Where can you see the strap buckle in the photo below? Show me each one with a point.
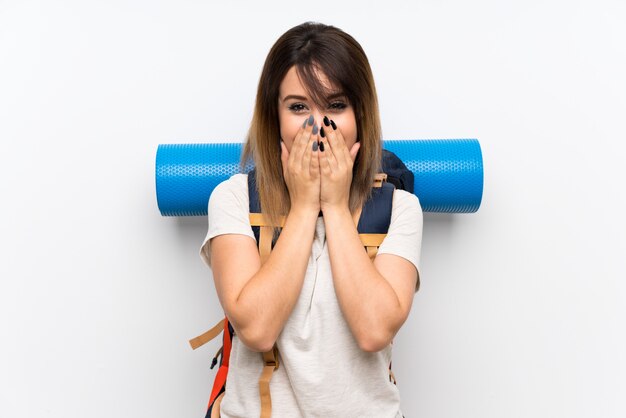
(270, 358)
(379, 179)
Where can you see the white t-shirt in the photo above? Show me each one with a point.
(322, 372)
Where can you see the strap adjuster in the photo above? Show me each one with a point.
(270, 358)
(379, 179)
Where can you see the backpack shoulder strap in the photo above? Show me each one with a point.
(376, 215)
(263, 231)
(261, 228)
(253, 193)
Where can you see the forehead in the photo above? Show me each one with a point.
(291, 84)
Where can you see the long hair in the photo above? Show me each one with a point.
(346, 66)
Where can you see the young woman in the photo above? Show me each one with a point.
(315, 139)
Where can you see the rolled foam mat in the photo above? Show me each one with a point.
(448, 173)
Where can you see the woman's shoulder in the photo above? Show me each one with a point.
(237, 183)
(403, 199)
(233, 190)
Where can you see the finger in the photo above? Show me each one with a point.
(328, 150)
(314, 164)
(302, 142)
(354, 151)
(300, 134)
(284, 153)
(338, 143)
(324, 161)
(308, 148)
(306, 157)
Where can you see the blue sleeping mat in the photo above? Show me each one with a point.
(448, 173)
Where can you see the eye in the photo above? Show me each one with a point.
(338, 106)
(297, 107)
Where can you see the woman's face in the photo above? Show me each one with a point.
(294, 106)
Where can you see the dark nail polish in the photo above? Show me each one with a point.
(315, 146)
(305, 121)
(321, 146)
(311, 119)
(322, 134)
(333, 123)
(326, 121)
(315, 129)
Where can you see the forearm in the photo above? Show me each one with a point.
(368, 302)
(268, 298)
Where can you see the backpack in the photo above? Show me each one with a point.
(373, 224)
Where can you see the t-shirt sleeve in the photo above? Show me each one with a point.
(228, 212)
(404, 237)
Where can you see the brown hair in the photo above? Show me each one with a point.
(346, 66)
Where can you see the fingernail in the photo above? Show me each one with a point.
(322, 134)
(305, 121)
(326, 121)
(315, 146)
(334, 126)
(311, 119)
(321, 146)
(315, 129)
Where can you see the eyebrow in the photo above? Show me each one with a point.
(332, 96)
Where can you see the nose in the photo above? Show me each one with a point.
(319, 117)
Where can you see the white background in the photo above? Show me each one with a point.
(522, 306)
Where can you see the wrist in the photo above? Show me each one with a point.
(335, 209)
(337, 216)
(304, 211)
